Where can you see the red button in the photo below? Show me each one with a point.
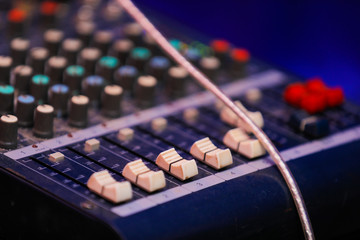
(16, 15)
(294, 93)
(313, 102)
(240, 55)
(220, 46)
(48, 8)
(315, 85)
(334, 96)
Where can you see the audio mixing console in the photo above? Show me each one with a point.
(103, 136)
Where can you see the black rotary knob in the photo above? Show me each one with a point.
(145, 90)
(210, 67)
(19, 48)
(88, 58)
(54, 69)
(73, 76)
(138, 57)
(24, 110)
(37, 58)
(21, 77)
(44, 121)
(103, 40)
(121, 49)
(70, 49)
(106, 67)
(126, 76)
(52, 40)
(92, 87)
(133, 31)
(157, 67)
(176, 81)
(5, 67)
(8, 131)
(58, 98)
(85, 31)
(111, 101)
(6, 99)
(78, 111)
(39, 88)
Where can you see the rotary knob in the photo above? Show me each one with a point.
(8, 131)
(78, 111)
(24, 110)
(6, 99)
(111, 100)
(145, 90)
(58, 98)
(44, 121)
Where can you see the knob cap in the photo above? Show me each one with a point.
(44, 121)
(111, 100)
(8, 131)
(58, 98)
(78, 111)
(24, 110)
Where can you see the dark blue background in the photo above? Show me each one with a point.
(309, 38)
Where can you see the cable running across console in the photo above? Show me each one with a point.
(207, 84)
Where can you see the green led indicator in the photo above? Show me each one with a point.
(140, 52)
(109, 62)
(41, 79)
(6, 89)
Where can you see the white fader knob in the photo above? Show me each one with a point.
(106, 186)
(230, 118)
(140, 175)
(239, 141)
(176, 165)
(206, 151)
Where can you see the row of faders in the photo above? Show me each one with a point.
(170, 161)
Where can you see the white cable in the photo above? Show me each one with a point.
(207, 84)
